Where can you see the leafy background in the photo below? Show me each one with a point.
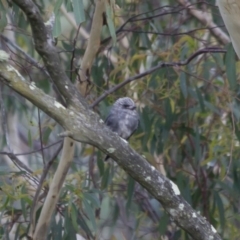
(189, 120)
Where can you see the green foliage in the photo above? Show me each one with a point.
(189, 124)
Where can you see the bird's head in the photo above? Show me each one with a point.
(125, 103)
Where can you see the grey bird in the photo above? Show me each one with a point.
(123, 118)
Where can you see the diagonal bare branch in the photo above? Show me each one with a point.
(206, 19)
(86, 127)
(46, 49)
(155, 68)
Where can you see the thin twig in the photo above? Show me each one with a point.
(30, 59)
(31, 152)
(135, 18)
(206, 19)
(19, 163)
(33, 62)
(153, 69)
(171, 34)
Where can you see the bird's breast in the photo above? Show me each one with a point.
(127, 124)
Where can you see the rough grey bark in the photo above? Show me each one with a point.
(83, 125)
(86, 126)
(46, 49)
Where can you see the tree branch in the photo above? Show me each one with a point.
(153, 69)
(33, 62)
(8, 74)
(46, 49)
(85, 126)
(230, 11)
(54, 190)
(28, 58)
(206, 19)
(92, 47)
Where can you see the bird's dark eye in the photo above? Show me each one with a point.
(125, 105)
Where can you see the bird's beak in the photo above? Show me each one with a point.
(133, 108)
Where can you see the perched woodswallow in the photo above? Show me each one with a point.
(123, 118)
